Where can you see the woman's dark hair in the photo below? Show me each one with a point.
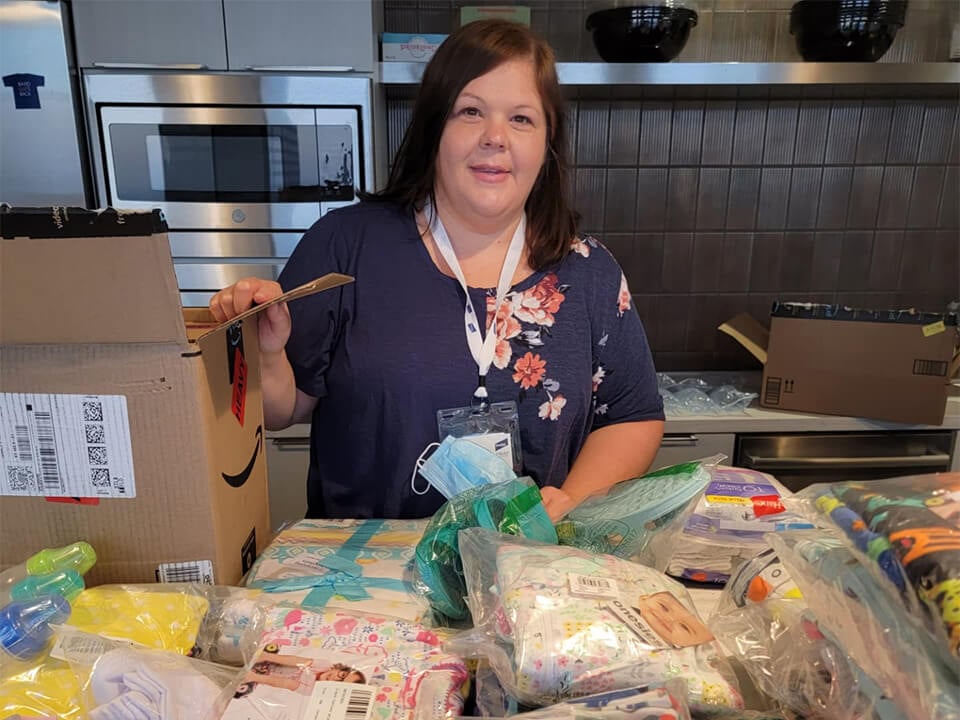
(474, 50)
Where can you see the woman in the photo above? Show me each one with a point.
(482, 169)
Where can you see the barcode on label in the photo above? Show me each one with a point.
(49, 466)
(359, 703)
(199, 571)
(592, 586)
(24, 451)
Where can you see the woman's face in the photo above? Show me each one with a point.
(336, 674)
(493, 145)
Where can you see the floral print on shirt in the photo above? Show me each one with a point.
(523, 325)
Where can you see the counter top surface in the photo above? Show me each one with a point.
(757, 419)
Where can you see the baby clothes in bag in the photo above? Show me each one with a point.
(570, 623)
(131, 684)
(339, 665)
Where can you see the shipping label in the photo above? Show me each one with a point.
(65, 446)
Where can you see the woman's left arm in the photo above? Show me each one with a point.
(610, 455)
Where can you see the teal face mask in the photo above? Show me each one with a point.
(459, 464)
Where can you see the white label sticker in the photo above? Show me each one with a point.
(496, 442)
(75, 646)
(66, 446)
(340, 701)
(592, 586)
(199, 571)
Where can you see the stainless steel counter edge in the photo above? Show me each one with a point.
(756, 419)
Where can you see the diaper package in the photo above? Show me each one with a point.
(331, 664)
(360, 566)
(557, 623)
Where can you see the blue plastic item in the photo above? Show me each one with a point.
(25, 625)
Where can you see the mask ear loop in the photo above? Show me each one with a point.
(416, 468)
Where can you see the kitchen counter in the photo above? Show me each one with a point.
(757, 419)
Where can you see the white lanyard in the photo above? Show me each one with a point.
(482, 350)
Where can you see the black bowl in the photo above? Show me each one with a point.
(846, 30)
(642, 33)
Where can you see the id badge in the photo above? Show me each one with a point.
(495, 427)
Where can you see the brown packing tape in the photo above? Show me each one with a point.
(325, 282)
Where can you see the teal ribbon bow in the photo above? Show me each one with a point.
(345, 577)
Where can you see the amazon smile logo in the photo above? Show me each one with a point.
(240, 478)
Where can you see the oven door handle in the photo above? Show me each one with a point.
(300, 68)
(149, 66)
(894, 461)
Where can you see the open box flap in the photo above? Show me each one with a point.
(326, 282)
(745, 329)
(88, 290)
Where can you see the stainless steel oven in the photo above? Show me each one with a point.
(802, 459)
(240, 164)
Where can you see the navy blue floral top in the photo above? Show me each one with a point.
(384, 353)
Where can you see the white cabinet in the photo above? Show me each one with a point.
(185, 34)
(288, 462)
(308, 34)
(685, 447)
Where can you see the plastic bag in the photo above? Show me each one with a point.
(622, 521)
(313, 665)
(658, 702)
(906, 531)
(790, 659)
(762, 577)
(513, 507)
(888, 643)
(723, 528)
(133, 683)
(697, 396)
(557, 623)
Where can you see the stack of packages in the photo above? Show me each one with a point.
(839, 602)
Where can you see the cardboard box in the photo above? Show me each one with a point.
(409, 46)
(125, 421)
(883, 365)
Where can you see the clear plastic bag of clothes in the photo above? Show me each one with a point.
(182, 618)
(557, 623)
(906, 532)
(622, 521)
(887, 642)
(788, 657)
(128, 682)
(513, 507)
(666, 701)
(723, 527)
(331, 664)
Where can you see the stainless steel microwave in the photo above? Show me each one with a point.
(225, 152)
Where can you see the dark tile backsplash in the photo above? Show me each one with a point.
(721, 200)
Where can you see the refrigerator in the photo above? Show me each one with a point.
(42, 144)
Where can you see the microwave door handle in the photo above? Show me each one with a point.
(149, 66)
(300, 68)
(795, 463)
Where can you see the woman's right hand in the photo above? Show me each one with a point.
(274, 322)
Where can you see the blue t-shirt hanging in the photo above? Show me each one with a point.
(25, 95)
(384, 353)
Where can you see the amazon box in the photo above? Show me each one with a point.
(890, 365)
(125, 420)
